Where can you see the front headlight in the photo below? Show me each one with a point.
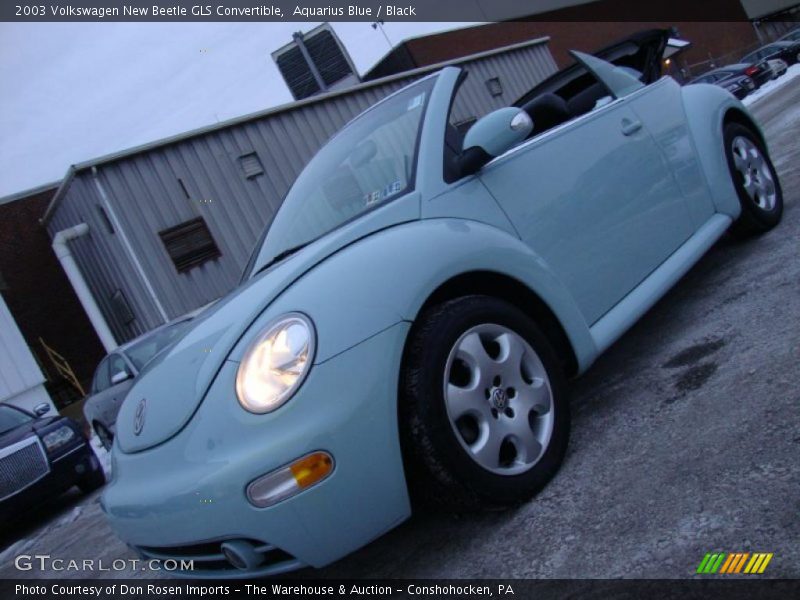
(58, 438)
(275, 364)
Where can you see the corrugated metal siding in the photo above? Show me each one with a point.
(146, 196)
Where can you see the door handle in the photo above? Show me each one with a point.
(630, 127)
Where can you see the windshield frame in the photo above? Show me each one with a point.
(429, 81)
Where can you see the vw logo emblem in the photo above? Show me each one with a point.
(138, 417)
(499, 398)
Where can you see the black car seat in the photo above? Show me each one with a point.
(547, 111)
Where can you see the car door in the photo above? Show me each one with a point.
(595, 196)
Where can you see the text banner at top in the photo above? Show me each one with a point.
(372, 10)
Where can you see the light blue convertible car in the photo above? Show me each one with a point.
(407, 323)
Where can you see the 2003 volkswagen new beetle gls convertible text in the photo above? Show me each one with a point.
(407, 322)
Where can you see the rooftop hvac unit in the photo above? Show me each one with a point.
(315, 62)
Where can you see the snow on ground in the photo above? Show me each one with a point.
(765, 90)
(103, 455)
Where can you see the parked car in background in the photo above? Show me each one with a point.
(778, 67)
(41, 457)
(788, 51)
(737, 84)
(792, 36)
(409, 318)
(116, 374)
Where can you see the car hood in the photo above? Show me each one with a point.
(19, 433)
(169, 390)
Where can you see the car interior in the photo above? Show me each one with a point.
(571, 92)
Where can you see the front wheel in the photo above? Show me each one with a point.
(755, 180)
(484, 418)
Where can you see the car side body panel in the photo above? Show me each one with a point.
(706, 106)
(596, 199)
(666, 121)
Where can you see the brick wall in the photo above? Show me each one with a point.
(38, 292)
(712, 38)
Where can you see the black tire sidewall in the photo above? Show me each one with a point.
(444, 454)
(753, 215)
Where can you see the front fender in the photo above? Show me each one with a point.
(386, 277)
(706, 106)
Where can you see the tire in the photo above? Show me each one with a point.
(755, 180)
(93, 480)
(104, 435)
(449, 434)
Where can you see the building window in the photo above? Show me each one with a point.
(189, 244)
(122, 310)
(494, 86)
(251, 165)
(104, 219)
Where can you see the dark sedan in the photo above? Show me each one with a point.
(41, 457)
(788, 51)
(792, 36)
(733, 80)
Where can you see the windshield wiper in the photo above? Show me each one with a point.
(280, 256)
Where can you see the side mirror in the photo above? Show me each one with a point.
(491, 136)
(119, 377)
(41, 409)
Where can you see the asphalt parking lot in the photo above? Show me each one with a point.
(686, 440)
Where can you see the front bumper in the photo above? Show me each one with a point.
(182, 497)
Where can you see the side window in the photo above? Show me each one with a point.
(102, 380)
(117, 364)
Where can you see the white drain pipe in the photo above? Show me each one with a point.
(75, 277)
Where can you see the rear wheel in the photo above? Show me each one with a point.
(755, 180)
(484, 418)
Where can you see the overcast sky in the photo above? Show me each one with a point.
(70, 92)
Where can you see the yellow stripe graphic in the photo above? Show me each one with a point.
(728, 563)
(765, 563)
(753, 564)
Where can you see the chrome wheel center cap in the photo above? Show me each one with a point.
(499, 398)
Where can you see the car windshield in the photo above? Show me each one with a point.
(11, 418)
(370, 162)
(143, 351)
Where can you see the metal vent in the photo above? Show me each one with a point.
(313, 62)
(297, 74)
(21, 465)
(494, 86)
(122, 310)
(189, 244)
(328, 57)
(251, 165)
(104, 219)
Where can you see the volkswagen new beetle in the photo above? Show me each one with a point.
(408, 320)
